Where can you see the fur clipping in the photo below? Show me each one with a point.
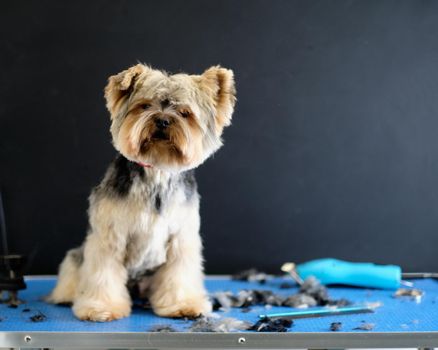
(219, 325)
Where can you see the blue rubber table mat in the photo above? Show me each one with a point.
(395, 315)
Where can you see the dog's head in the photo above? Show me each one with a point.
(171, 122)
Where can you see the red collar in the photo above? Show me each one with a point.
(145, 165)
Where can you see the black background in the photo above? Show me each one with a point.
(333, 148)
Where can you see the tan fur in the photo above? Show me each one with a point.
(219, 84)
(119, 85)
(129, 232)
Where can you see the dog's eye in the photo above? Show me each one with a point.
(184, 114)
(145, 105)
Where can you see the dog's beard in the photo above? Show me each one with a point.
(176, 147)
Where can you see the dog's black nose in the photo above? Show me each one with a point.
(161, 123)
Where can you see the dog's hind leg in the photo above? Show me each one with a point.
(68, 278)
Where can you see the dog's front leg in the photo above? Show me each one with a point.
(102, 293)
(177, 288)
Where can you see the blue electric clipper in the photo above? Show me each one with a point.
(334, 271)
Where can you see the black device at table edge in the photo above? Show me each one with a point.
(11, 267)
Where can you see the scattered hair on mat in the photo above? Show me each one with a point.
(267, 324)
(312, 293)
(221, 325)
(335, 326)
(339, 302)
(312, 287)
(414, 294)
(162, 328)
(222, 301)
(38, 317)
(405, 292)
(300, 300)
(364, 326)
(189, 318)
(250, 275)
(246, 298)
(25, 310)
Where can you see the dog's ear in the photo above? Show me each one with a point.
(219, 83)
(120, 87)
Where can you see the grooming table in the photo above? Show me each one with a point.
(401, 323)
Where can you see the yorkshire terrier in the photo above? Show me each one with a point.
(144, 216)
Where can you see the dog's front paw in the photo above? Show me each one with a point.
(193, 307)
(99, 312)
